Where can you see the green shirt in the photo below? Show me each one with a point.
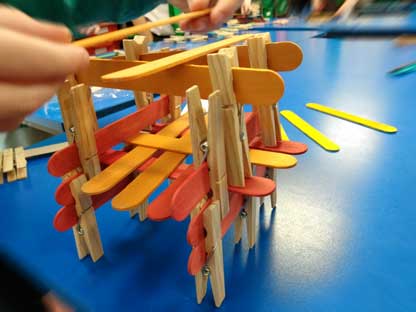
(75, 13)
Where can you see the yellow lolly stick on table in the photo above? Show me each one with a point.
(283, 134)
(310, 131)
(171, 61)
(356, 119)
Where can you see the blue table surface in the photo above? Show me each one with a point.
(340, 239)
(360, 24)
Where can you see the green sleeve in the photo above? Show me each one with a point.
(74, 13)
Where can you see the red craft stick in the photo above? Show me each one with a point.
(196, 233)
(255, 186)
(190, 193)
(67, 216)
(63, 195)
(67, 159)
(161, 208)
(285, 147)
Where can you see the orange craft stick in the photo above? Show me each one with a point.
(123, 33)
(172, 60)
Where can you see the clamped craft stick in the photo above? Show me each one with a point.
(281, 56)
(253, 86)
(171, 61)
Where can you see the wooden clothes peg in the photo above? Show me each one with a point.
(208, 144)
(8, 165)
(198, 130)
(84, 120)
(20, 162)
(217, 154)
(133, 48)
(64, 99)
(213, 246)
(232, 54)
(250, 213)
(268, 115)
(258, 59)
(222, 79)
(86, 233)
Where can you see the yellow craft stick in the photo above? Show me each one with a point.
(349, 117)
(118, 170)
(182, 145)
(310, 131)
(123, 33)
(171, 61)
(283, 134)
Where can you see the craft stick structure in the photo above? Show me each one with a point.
(230, 154)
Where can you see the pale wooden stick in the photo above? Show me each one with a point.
(123, 33)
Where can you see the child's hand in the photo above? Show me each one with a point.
(35, 58)
(221, 12)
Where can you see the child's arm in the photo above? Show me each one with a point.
(81, 13)
(34, 60)
(222, 11)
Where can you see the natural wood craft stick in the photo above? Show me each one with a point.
(48, 149)
(123, 33)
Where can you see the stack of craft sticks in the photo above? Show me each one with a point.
(13, 164)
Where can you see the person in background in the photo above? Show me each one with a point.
(35, 58)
